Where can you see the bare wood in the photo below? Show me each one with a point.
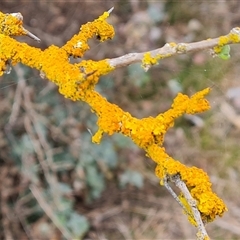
(202, 233)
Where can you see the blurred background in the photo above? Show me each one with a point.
(56, 184)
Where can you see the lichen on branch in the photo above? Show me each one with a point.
(53, 62)
(77, 82)
(12, 25)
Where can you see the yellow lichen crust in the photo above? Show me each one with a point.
(224, 40)
(187, 210)
(77, 82)
(149, 61)
(10, 49)
(232, 37)
(77, 46)
(73, 79)
(11, 25)
(197, 181)
(146, 131)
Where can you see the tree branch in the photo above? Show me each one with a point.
(172, 49)
(202, 233)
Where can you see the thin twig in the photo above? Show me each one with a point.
(29, 34)
(202, 233)
(169, 50)
(17, 103)
(167, 186)
(49, 211)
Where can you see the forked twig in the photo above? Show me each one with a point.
(202, 233)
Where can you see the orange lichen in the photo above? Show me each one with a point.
(77, 82)
(181, 48)
(187, 210)
(77, 46)
(148, 133)
(196, 180)
(232, 37)
(11, 25)
(149, 60)
(173, 44)
(54, 61)
(223, 40)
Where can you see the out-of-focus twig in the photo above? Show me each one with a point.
(49, 211)
(18, 96)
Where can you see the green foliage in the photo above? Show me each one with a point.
(95, 181)
(96, 162)
(195, 77)
(131, 177)
(225, 52)
(137, 75)
(78, 225)
(75, 223)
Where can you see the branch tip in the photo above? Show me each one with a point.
(235, 30)
(110, 10)
(31, 35)
(18, 15)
